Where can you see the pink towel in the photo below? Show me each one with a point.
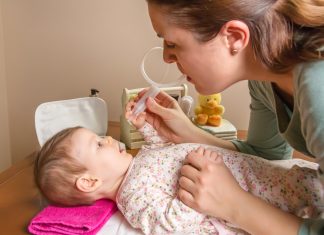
(85, 220)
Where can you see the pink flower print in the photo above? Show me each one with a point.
(301, 177)
(264, 188)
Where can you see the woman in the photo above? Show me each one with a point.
(277, 46)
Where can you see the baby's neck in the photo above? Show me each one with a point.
(112, 193)
(108, 189)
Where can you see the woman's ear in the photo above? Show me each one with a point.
(236, 34)
(87, 183)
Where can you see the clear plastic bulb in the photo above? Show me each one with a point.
(140, 105)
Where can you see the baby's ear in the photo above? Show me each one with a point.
(87, 183)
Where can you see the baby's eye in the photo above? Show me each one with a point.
(99, 144)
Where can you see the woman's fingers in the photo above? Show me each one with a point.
(195, 159)
(200, 151)
(166, 116)
(141, 93)
(207, 185)
(207, 153)
(186, 184)
(216, 157)
(187, 187)
(159, 108)
(189, 172)
(164, 97)
(186, 197)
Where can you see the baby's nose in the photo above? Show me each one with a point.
(109, 139)
(106, 140)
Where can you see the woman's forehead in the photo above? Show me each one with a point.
(164, 28)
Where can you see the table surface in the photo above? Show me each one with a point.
(20, 199)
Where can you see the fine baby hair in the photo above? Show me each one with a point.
(56, 170)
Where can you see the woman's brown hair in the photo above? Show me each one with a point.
(283, 32)
(55, 171)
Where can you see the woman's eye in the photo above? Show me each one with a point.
(169, 45)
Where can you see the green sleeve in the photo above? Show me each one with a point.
(312, 227)
(309, 92)
(263, 138)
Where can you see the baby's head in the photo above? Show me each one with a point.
(76, 167)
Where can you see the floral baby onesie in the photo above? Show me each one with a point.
(148, 195)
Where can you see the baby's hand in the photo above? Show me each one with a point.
(202, 152)
(137, 121)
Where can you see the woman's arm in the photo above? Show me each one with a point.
(166, 116)
(264, 138)
(258, 217)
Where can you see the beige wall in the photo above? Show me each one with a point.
(5, 158)
(59, 49)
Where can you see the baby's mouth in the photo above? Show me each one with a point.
(122, 147)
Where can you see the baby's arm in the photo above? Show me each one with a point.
(151, 136)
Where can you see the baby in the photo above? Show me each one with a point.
(78, 167)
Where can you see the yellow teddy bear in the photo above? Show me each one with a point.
(209, 110)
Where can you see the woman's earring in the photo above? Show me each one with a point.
(234, 51)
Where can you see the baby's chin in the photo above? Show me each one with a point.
(128, 154)
(125, 155)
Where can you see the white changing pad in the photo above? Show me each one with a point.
(88, 112)
(118, 225)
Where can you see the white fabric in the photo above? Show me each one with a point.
(118, 225)
(88, 112)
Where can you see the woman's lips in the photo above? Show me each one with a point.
(189, 79)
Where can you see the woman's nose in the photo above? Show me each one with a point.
(168, 55)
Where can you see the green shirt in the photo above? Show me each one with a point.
(275, 129)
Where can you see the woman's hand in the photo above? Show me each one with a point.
(207, 185)
(137, 121)
(166, 116)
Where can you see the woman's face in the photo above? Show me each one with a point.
(208, 65)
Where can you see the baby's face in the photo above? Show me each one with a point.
(102, 156)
